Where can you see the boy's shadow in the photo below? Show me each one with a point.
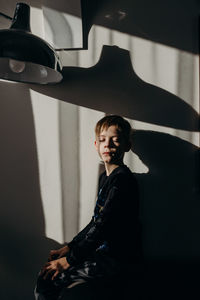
(112, 86)
(169, 197)
(24, 247)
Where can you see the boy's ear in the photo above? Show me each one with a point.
(95, 144)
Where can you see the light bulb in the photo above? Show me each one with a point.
(16, 66)
(43, 72)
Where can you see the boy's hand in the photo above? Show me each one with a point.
(54, 267)
(55, 254)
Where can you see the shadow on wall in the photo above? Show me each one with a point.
(172, 23)
(169, 197)
(169, 192)
(111, 82)
(169, 208)
(24, 247)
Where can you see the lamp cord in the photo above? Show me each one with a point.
(5, 16)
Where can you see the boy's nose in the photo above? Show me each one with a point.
(108, 143)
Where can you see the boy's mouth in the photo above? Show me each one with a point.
(108, 153)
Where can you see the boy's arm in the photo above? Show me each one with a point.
(104, 225)
(58, 253)
(55, 263)
(81, 235)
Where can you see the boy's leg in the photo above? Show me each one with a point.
(51, 289)
(88, 282)
(79, 291)
(46, 290)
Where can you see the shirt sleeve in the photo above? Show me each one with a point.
(102, 227)
(81, 235)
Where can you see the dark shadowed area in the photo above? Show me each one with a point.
(111, 82)
(172, 23)
(169, 208)
(24, 247)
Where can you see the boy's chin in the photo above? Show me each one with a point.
(111, 161)
(107, 160)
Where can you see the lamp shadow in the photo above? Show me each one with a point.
(112, 86)
(169, 212)
(24, 247)
(157, 21)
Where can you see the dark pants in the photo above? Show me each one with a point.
(53, 289)
(98, 279)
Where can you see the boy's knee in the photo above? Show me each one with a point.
(46, 290)
(37, 295)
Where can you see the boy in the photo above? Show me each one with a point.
(107, 249)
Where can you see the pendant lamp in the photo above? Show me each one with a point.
(25, 57)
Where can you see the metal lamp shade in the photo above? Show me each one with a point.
(25, 57)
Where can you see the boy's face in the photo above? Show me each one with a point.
(111, 146)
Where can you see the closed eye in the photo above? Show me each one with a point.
(101, 140)
(117, 140)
